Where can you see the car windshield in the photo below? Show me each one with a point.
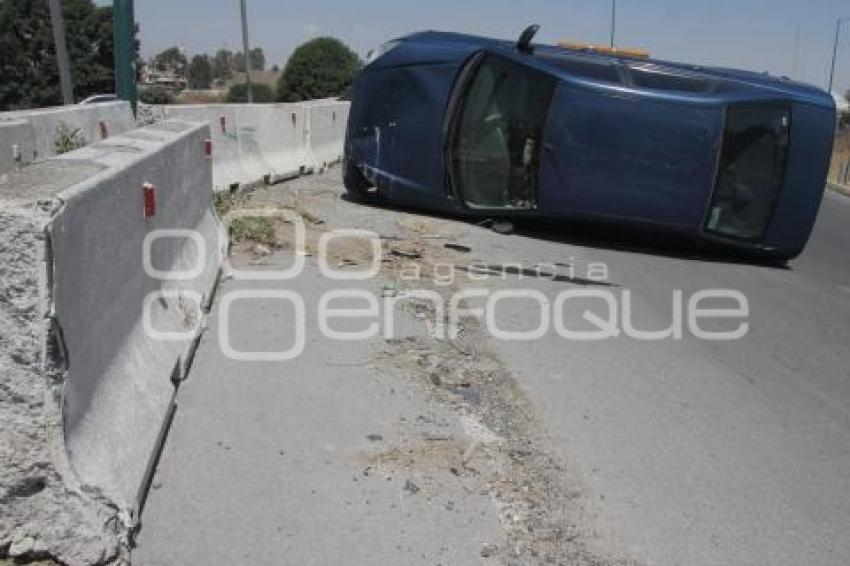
(496, 146)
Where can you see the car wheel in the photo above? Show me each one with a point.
(356, 184)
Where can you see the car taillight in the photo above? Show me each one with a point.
(751, 170)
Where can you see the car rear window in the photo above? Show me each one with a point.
(585, 67)
(660, 78)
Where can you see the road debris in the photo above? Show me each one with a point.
(457, 247)
(408, 255)
(488, 550)
(261, 250)
(502, 227)
(389, 290)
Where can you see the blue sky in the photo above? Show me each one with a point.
(760, 35)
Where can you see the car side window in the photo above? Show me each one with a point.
(496, 145)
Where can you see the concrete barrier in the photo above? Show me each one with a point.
(279, 139)
(251, 142)
(17, 143)
(325, 134)
(844, 173)
(271, 142)
(94, 122)
(93, 385)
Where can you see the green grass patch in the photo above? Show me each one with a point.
(68, 139)
(254, 229)
(224, 202)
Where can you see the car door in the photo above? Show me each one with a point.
(496, 133)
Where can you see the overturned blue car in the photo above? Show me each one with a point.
(497, 129)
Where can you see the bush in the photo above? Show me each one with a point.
(255, 229)
(156, 95)
(68, 139)
(239, 93)
(200, 73)
(225, 201)
(321, 68)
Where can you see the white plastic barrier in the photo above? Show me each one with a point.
(93, 122)
(278, 137)
(117, 270)
(325, 136)
(251, 142)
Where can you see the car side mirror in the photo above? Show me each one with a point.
(523, 44)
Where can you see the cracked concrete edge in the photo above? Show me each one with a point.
(47, 513)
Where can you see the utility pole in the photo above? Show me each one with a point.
(835, 49)
(58, 25)
(123, 38)
(796, 51)
(613, 21)
(247, 51)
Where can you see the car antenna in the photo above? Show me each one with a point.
(523, 44)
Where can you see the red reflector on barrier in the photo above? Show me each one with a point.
(149, 192)
(208, 148)
(223, 121)
(104, 130)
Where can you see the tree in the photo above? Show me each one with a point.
(261, 92)
(239, 62)
(171, 60)
(156, 95)
(222, 64)
(258, 59)
(200, 73)
(320, 68)
(30, 76)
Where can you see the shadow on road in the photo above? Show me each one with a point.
(642, 239)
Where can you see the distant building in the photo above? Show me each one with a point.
(167, 79)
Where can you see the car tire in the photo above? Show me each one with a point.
(356, 184)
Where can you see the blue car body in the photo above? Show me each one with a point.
(476, 126)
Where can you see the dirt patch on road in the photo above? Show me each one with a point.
(539, 499)
(544, 508)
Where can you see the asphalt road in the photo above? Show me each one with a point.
(713, 452)
(683, 451)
